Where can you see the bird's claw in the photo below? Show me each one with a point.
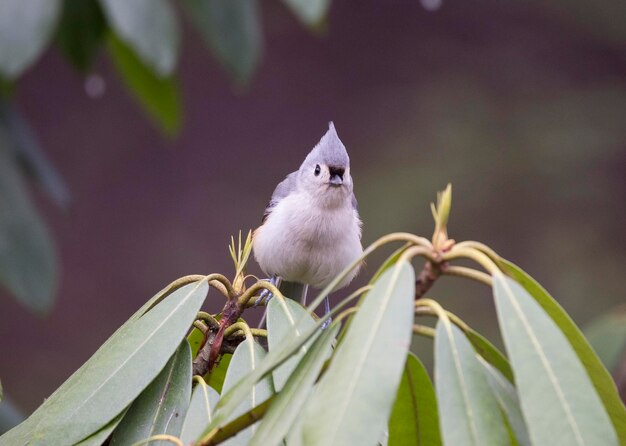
(263, 298)
(266, 294)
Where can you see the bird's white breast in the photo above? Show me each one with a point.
(305, 243)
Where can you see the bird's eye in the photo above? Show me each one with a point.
(318, 169)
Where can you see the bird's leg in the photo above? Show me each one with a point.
(305, 289)
(266, 294)
(326, 313)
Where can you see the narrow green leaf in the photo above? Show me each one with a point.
(389, 262)
(414, 420)
(195, 338)
(100, 437)
(288, 404)
(507, 398)
(354, 398)
(81, 32)
(559, 402)
(10, 416)
(25, 29)
(310, 12)
(159, 97)
(600, 377)
(115, 375)
(150, 28)
(247, 357)
(230, 400)
(28, 265)
(490, 353)
(32, 159)
(232, 29)
(468, 410)
(282, 318)
(607, 336)
(199, 414)
(161, 407)
(216, 378)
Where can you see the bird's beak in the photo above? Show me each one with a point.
(336, 176)
(336, 180)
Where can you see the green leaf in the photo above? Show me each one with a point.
(507, 398)
(414, 420)
(218, 374)
(10, 416)
(30, 155)
(100, 437)
(195, 338)
(150, 28)
(288, 404)
(310, 12)
(161, 407)
(389, 262)
(25, 29)
(159, 97)
(600, 377)
(81, 32)
(354, 397)
(559, 402)
(28, 265)
(199, 414)
(232, 29)
(468, 410)
(115, 375)
(231, 399)
(282, 318)
(247, 357)
(490, 353)
(607, 335)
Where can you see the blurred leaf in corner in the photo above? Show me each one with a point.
(81, 32)
(160, 97)
(232, 29)
(607, 335)
(10, 416)
(31, 157)
(150, 28)
(310, 12)
(25, 29)
(28, 264)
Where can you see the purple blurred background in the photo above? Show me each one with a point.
(521, 107)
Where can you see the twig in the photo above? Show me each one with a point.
(426, 278)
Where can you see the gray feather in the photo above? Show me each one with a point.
(283, 189)
(330, 151)
(294, 290)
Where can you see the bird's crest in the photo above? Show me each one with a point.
(330, 150)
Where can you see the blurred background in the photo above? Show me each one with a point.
(136, 137)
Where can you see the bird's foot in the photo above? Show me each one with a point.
(266, 294)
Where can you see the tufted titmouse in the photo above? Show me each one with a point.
(311, 228)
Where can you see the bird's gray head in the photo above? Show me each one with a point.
(325, 173)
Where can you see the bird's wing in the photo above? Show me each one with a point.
(284, 188)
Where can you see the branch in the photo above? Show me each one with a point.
(426, 278)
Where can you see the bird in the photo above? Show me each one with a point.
(311, 229)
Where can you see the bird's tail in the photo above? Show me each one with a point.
(294, 290)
